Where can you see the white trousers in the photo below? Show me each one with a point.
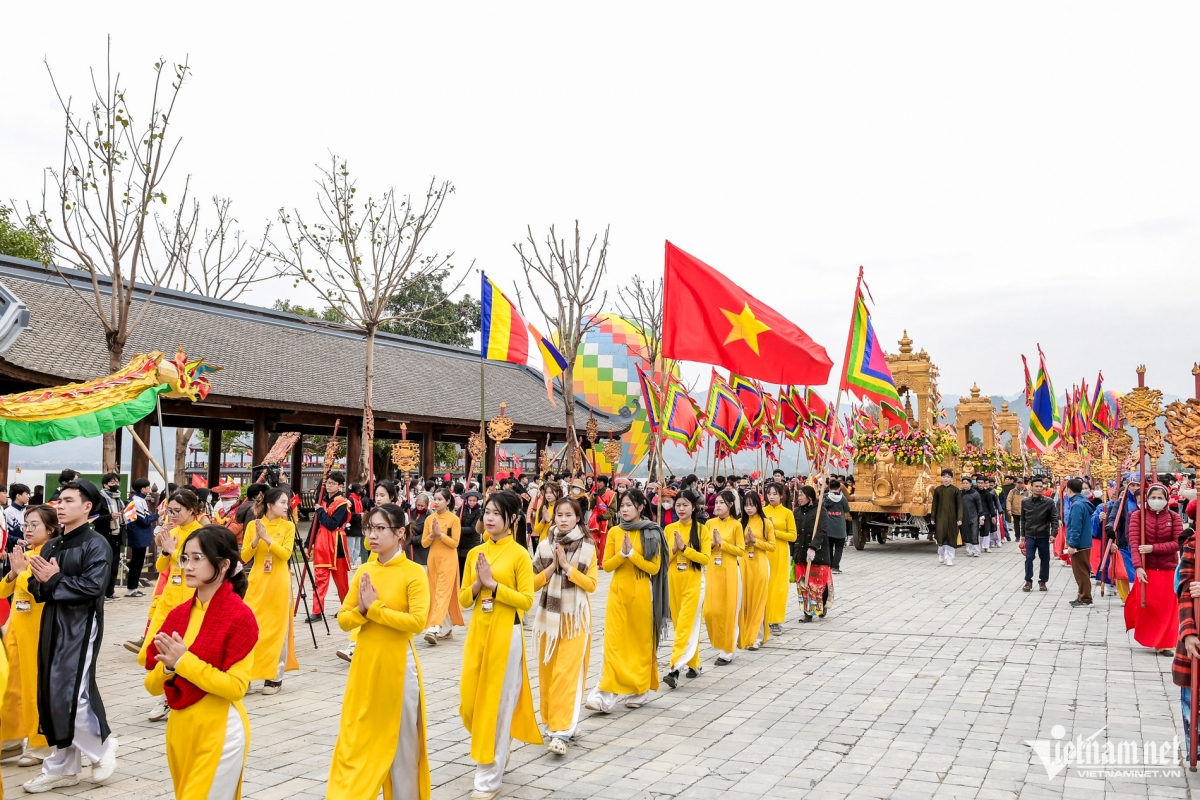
(87, 741)
(579, 687)
(489, 777)
(233, 758)
(282, 659)
(405, 784)
(972, 549)
(996, 537)
(694, 636)
(946, 553)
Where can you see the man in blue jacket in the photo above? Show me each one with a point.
(1079, 541)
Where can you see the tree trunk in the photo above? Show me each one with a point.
(368, 420)
(182, 437)
(116, 350)
(568, 385)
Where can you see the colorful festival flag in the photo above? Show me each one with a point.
(710, 319)
(504, 335)
(724, 416)
(1045, 424)
(650, 399)
(787, 418)
(681, 417)
(818, 409)
(1028, 383)
(750, 395)
(866, 373)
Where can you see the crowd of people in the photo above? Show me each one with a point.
(522, 556)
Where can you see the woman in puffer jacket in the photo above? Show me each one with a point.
(1154, 543)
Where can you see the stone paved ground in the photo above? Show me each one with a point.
(924, 682)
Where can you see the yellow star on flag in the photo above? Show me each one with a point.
(745, 327)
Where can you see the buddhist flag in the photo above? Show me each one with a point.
(710, 319)
(1045, 424)
(725, 418)
(504, 335)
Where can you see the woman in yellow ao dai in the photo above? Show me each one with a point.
(565, 572)
(19, 716)
(691, 550)
(381, 739)
(759, 536)
(268, 540)
(723, 593)
(784, 522)
(637, 609)
(495, 701)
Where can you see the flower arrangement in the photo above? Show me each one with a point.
(917, 447)
(976, 460)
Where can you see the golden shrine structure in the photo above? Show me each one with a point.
(897, 474)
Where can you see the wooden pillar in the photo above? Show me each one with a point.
(353, 450)
(119, 434)
(297, 475)
(139, 462)
(4, 463)
(490, 460)
(260, 441)
(428, 463)
(214, 456)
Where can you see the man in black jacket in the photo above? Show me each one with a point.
(1039, 519)
(947, 513)
(69, 577)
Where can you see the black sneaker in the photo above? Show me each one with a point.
(311, 618)
(671, 678)
(1079, 603)
(693, 673)
(806, 617)
(837, 571)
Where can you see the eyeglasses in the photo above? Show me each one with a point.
(379, 528)
(197, 559)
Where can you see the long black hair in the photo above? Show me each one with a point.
(636, 497)
(218, 544)
(752, 497)
(508, 504)
(690, 495)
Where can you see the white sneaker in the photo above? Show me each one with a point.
(941, 559)
(431, 637)
(593, 705)
(160, 712)
(557, 746)
(108, 762)
(346, 655)
(637, 701)
(44, 783)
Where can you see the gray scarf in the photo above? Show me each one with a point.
(654, 544)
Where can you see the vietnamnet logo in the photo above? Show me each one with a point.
(1093, 758)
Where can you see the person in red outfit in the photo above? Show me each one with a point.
(327, 544)
(1154, 544)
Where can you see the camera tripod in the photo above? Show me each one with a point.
(300, 570)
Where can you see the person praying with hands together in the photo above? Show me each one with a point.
(381, 740)
(496, 702)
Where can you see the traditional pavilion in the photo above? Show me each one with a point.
(280, 372)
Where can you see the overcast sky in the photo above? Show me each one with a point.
(1008, 174)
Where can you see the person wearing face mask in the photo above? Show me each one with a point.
(947, 513)
(1154, 543)
(837, 512)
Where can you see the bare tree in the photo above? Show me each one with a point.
(363, 253)
(113, 169)
(642, 302)
(565, 283)
(218, 263)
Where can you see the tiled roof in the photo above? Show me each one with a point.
(272, 357)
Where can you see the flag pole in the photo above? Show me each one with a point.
(1195, 665)
(837, 403)
(482, 430)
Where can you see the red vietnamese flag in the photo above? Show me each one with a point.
(710, 319)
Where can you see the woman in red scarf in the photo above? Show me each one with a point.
(1155, 553)
(201, 660)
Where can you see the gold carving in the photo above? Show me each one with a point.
(1142, 407)
(475, 447)
(544, 463)
(885, 490)
(1093, 442)
(592, 431)
(1120, 446)
(612, 451)
(1152, 439)
(500, 427)
(1183, 431)
(406, 456)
